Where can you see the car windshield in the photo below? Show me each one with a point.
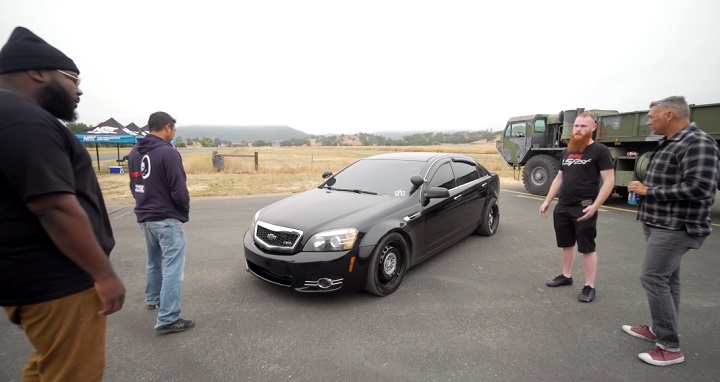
(381, 176)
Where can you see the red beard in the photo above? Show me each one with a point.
(578, 143)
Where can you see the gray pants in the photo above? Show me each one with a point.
(660, 276)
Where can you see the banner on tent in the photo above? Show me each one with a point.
(106, 138)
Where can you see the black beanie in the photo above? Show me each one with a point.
(26, 51)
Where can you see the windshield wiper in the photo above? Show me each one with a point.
(364, 192)
(357, 191)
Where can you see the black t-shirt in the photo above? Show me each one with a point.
(581, 173)
(38, 156)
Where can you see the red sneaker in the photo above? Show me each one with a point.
(661, 357)
(642, 331)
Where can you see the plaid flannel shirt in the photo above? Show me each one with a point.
(682, 177)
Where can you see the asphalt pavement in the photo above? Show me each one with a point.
(479, 311)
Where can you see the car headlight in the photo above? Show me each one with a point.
(254, 220)
(335, 240)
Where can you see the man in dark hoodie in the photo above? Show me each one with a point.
(56, 281)
(162, 204)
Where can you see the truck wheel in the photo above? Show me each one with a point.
(539, 173)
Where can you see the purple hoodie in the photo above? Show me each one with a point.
(157, 181)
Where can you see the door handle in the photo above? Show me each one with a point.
(411, 217)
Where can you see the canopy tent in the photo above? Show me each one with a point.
(110, 131)
(133, 127)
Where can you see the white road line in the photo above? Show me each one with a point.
(603, 208)
(121, 215)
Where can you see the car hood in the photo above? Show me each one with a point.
(320, 209)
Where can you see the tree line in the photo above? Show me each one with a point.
(364, 139)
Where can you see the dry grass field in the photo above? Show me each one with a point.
(280, 170)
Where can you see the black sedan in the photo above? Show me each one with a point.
(365, 226)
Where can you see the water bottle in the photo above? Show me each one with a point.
(632, 198)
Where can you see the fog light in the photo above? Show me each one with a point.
(324, 283)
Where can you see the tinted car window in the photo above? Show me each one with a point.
(482, 171)
(465, 172)
(385, 177)
(443, 177)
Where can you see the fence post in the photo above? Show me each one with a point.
(256, 160)
(218, 161)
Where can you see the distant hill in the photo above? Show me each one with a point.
(386, 134)
(241, 133)
(400, 134)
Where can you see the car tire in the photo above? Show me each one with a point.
(491, 219)
(388, 265)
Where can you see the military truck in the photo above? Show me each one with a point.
(532, 144)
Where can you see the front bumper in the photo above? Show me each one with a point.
(308, 271)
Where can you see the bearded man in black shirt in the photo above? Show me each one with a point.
(56, 281)
(584, 163)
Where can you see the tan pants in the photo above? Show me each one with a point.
(68, 337)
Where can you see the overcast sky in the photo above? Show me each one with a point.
(364, 66)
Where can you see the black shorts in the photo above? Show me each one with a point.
(568, 230)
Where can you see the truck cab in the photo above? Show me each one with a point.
(524, 133)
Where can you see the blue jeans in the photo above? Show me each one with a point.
(165, 246)
(660, 276)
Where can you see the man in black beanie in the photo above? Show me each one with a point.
(56, 281)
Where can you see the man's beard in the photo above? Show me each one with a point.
(58, 102)
(578, 143)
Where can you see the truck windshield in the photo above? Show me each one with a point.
(515, 129)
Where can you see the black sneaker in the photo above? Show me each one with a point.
(152, 306)
(559, 281)
(178, 326)
(587, 294)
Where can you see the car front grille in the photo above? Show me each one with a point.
(276, 238)
(268, 275)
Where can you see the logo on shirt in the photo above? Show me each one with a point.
(145, 167)
(575, 159)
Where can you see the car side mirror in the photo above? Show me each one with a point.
(326, 174)
(437, 192)
(416, 181)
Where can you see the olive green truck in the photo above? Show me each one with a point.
(532, 144)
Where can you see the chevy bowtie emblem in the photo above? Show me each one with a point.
(271, 237)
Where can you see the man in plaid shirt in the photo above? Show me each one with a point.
(676, 199)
